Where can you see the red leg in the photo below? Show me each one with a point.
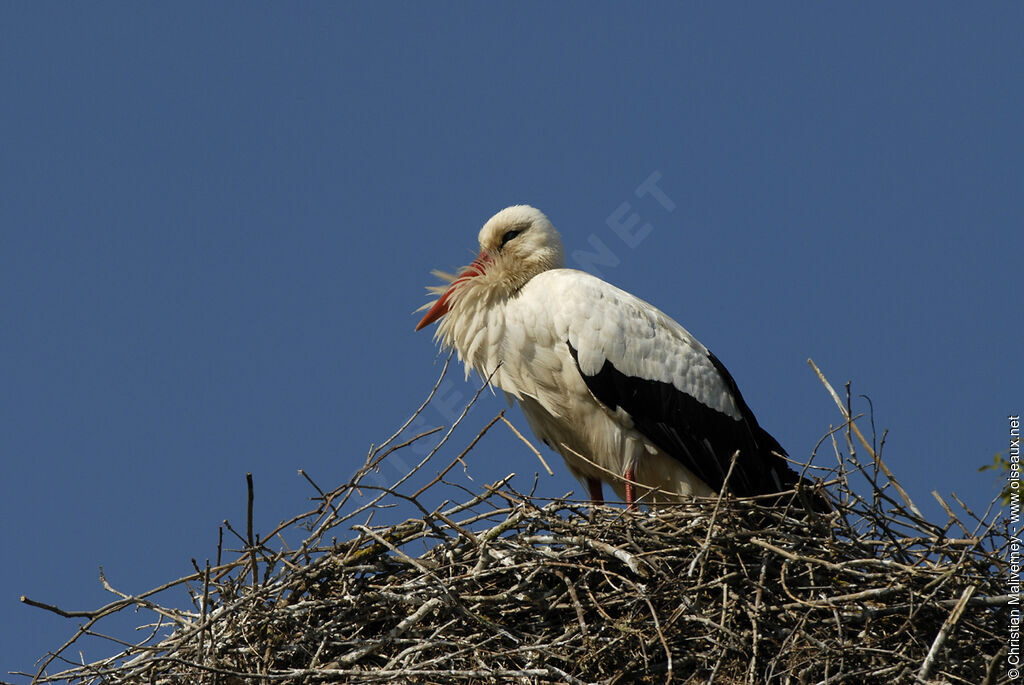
(596, 494)
(630, 492)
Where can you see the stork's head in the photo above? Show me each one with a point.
(516, 244)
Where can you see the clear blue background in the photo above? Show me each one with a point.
(216, 221)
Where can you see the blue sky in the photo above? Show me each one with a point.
(217, 220)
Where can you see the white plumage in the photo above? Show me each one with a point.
(624, 393)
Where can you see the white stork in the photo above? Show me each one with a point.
(624, 393)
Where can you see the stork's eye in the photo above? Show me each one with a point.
(509, 235)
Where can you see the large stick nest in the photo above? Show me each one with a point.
(505, 587)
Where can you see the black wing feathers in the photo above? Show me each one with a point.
(701, 438)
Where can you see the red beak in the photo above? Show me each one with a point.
(442, 305)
